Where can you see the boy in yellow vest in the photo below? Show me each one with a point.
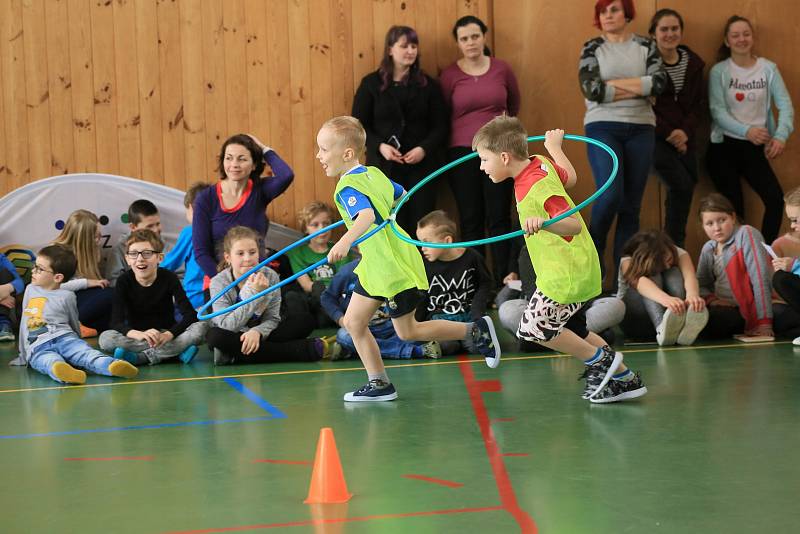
(390, 269)
(563, 256)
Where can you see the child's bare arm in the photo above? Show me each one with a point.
(363, 221)
(553, 139)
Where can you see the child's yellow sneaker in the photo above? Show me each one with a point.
(68, 374)
(122, 369)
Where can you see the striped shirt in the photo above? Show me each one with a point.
(677, 71)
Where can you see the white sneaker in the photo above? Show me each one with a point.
(669, 329)
(695, 322)
(796, 341)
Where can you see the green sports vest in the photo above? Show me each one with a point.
(388, 265)
(566, 271)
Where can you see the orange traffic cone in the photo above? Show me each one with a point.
(327, 480)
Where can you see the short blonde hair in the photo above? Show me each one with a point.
(349, 132)
(792, 198)
(441, 221)
(503, 134)
(311, 210)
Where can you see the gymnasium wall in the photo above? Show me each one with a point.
(150, 88)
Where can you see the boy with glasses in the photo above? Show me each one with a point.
(49, 338)
(144, 328)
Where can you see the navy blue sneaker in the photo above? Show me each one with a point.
(485, 338)
(375, 391)
(188, 354)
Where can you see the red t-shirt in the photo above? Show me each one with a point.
(535, 171)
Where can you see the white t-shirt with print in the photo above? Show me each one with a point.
(746, 95)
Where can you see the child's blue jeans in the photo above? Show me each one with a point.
(73, 350)
(391, 346)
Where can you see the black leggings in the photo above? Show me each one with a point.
(734, 159)
(269, 351)
(484, 207)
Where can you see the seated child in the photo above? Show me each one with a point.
(335, 300)
(82, 234)
(735, 278)
(314, 217)
(183, 253)
(602, 314)
(562, 253)
(143, 327)
(10, 285)
(659, 286)
(142, 215)
(255, 333)
(458, 281)
(49, 338)
(786, 280)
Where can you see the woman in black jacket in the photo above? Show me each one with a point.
(678, 110)
(403, 112)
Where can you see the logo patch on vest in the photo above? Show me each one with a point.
(351, 201)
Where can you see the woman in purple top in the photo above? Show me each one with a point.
(478, 88)
(240, 198)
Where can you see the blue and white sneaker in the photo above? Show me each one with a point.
(375, 391)
(485, 338)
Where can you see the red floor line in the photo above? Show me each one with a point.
(289, 462)
(109, 458)
(440, 481)
(504, 487)
(340, 520)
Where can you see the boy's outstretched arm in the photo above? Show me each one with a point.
(363, 220)
(553, 139)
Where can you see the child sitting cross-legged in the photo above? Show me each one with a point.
(143, 325)
(49, 338)
(255, 332)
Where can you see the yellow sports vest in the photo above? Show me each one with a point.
(566, 271)
(388, 265)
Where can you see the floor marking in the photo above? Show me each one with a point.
(440, 481)
(255, 399)
(503, 420)
(475, 388)
(312, 522)
(515, 454)
(549, 356)
(288, 462)
(109, 458)
(138, 427)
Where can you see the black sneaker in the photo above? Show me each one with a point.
(598, 374)
(220, 358)
(375, 391)
(618, 390)
(485, 338)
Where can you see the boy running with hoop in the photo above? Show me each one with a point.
(563, 256)
(390, 269)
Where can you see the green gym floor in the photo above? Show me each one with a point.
(193, 448)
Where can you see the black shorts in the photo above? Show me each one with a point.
(401, 304)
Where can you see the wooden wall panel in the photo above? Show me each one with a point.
(151, 88)
(59, 82)
(127, 90)
(12, 50)
(37, 92)
(105, 86)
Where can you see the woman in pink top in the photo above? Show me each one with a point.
(478, 88)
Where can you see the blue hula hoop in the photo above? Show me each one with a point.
(509, 235)
(393, 225)
(323, 261)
